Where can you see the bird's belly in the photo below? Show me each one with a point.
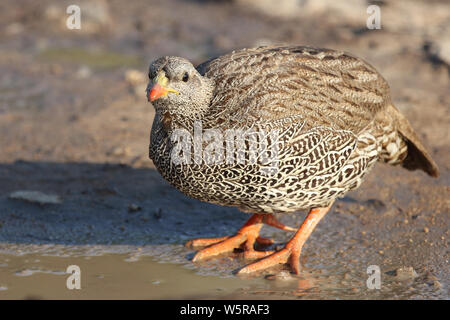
(307, 175)
(248, 188)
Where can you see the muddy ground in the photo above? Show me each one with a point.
(74, 122)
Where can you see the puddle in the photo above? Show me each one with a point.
(146, 273)
(110, 276)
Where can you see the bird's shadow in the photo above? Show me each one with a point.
(103, 203)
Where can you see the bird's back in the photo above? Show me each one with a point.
(323, 86)
(328, 87)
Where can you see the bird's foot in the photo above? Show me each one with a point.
(290, 254)
(285, 255)
(204, 242)
(234, 242)
(245, 238)
(253, 254)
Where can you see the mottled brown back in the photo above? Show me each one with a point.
(329, 87)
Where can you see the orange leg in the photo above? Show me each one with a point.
(247, 235)
(291, 252)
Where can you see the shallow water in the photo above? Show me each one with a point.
(124, 272)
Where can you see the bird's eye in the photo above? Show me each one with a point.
(185, 77)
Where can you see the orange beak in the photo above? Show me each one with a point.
(159, 88)
(156, 92)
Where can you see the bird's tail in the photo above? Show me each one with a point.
(417, 156)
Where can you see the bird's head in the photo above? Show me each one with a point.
(177, 88)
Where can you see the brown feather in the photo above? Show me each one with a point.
(417, 157)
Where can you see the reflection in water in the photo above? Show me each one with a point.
(305, 286)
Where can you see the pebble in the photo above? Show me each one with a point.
(158, 213)
(283, 275)
(134, 208)
(120, 151)
(35, 197)
(83, 72)
(405, 273)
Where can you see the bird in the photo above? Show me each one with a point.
(274, 130)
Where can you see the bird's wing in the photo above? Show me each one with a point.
(326, 87)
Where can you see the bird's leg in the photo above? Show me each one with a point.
(249, 252)
(270, 220)
(248, 234)
(291, 252)
(266, 218)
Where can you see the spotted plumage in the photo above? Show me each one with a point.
(332, 113)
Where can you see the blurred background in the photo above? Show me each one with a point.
(75, 124)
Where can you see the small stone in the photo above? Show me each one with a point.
(35, 197)
(282, 275)
(426, 230)
(404, 273)
(83, 72)
(134, 208)
(120, 151)
(158, 213)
